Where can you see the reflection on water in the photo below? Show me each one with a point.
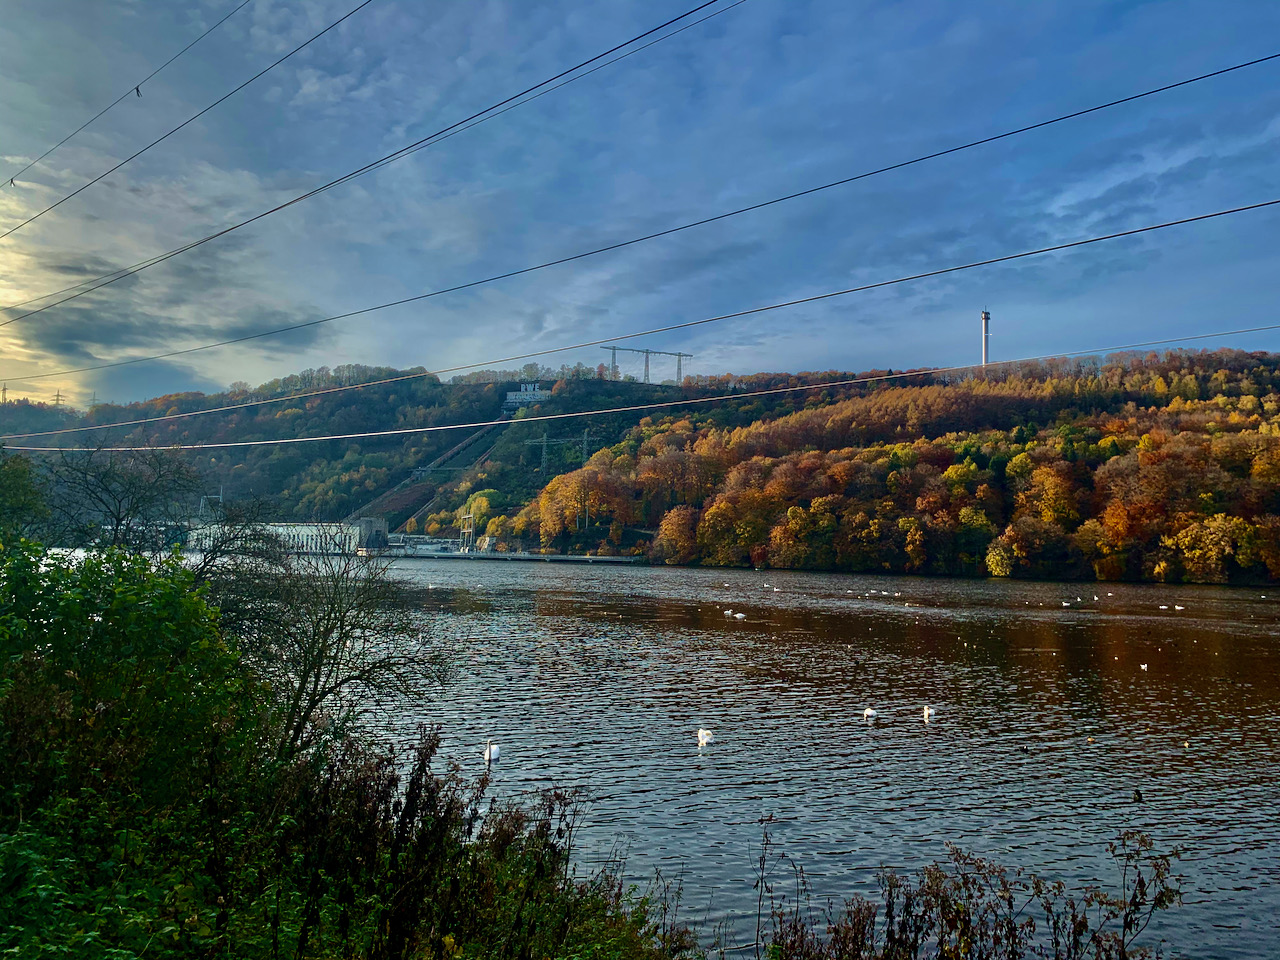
(602, 676)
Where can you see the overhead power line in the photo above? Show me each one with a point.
(109, 278)
(129, 271)
(942, 271)
(637, 407)
(135, 89)
(184, 123)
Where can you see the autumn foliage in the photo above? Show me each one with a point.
(1156, 467)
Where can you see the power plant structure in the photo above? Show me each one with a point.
(986, 334)
(680, 358)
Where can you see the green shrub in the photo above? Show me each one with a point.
(142, 812)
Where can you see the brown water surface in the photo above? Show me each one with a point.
(601, 676)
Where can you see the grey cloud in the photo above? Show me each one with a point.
(88, 266)
(124, 384)
(760, 101)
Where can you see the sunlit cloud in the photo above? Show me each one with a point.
(763, 100)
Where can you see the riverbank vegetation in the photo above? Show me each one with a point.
(966, 908)
(156, 799)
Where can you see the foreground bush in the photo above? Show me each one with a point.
(969, 908)
(143, 812)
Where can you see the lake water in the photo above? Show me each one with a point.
(601, 676)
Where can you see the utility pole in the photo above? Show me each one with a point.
(4, 393)
(986, 334)
(57, 398)
(613, 363)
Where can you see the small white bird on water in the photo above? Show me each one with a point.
(868, 714)
(928, 713)
(490, 753)
(728, 613)
(739, 616)
(1143, 666)
(705, 737)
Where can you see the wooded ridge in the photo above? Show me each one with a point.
(1136, 466)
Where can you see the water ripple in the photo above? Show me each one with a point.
(600, 677)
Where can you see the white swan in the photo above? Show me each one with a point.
(705, 737)
(491, 752)
(739, 616)
(928, 713)
(868, 714)
(728, 613)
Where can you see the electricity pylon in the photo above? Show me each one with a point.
(680, 357)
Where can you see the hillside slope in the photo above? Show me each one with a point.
(1156, 467)
(1151, 466)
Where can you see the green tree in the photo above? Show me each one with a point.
(22, 499)
(126, 722)
(132, 664)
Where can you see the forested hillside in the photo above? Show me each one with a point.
(1156, 467)
(1163, 467)
(328, 480)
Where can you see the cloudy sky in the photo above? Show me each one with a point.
(769, 97)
